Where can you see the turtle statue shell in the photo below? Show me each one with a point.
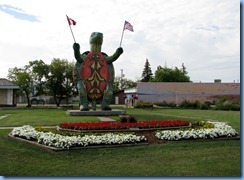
(95, 75)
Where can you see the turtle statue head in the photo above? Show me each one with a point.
(96, 38)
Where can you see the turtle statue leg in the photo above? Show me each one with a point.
(83, 96)
(107, 97)
(94, 104)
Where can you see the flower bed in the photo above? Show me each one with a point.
(71, 140)
(60, 141)
(125, 125)
(219, 130)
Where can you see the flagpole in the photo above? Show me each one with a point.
(72, 33)
(122, 35)
(70, 28)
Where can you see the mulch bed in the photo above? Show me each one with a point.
(151, 138)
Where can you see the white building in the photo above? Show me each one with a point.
(7, 93)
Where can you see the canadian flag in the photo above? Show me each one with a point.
(70, 21)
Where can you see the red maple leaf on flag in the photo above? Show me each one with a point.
(71, 21)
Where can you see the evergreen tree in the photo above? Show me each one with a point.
(147, 72)
(165, 74)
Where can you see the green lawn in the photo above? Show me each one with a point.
(184, 158)
(47, 117)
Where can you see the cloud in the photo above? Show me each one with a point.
(213, 28)
(202, 34)
(18, 13)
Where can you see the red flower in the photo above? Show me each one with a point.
(118, 125)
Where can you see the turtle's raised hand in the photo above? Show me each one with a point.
(76, 46)
(120, 50)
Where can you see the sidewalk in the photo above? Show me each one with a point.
(106, 119)
(7, 128)
(6, 115)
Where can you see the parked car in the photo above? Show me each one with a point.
(37, 100)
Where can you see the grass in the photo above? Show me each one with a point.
(40, 117)
(183, 158)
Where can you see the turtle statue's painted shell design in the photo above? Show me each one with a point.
(95, 75)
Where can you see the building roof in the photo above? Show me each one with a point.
(189, 88)
(130, 90)
(6, 84)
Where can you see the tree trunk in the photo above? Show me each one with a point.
(28, 98)
(60, 99)
(55, 99)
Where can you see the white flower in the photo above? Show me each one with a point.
(220, 130)
(26, 131)
(60, 141)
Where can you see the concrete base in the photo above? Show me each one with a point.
(113, 112)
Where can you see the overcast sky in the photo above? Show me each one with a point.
(202, 34)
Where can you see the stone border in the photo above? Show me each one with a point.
(113, 112)
(76, 148)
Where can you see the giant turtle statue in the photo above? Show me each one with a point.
(94, 74)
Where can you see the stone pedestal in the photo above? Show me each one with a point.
(113, 112)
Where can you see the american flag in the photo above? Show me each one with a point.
(71, 21)
(128, 26)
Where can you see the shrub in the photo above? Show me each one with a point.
(187, 104)
(131, 119)
(203, 105)
(123, 118)
(171, 104)
(165, 104)
(142, 104)
(224, 104)
(203, 124)
(194, 105)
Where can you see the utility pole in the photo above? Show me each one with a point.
(121, 78)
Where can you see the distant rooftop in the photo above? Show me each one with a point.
(188, 88)
(6, 84)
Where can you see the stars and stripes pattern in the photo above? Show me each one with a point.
(128, 26)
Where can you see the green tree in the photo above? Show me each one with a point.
(147, 72)
(39, 71)
(23, 79)
(123, 83)
(165, 74)
(60, 80)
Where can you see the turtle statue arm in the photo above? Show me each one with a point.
(77, 54)
(115, 56)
